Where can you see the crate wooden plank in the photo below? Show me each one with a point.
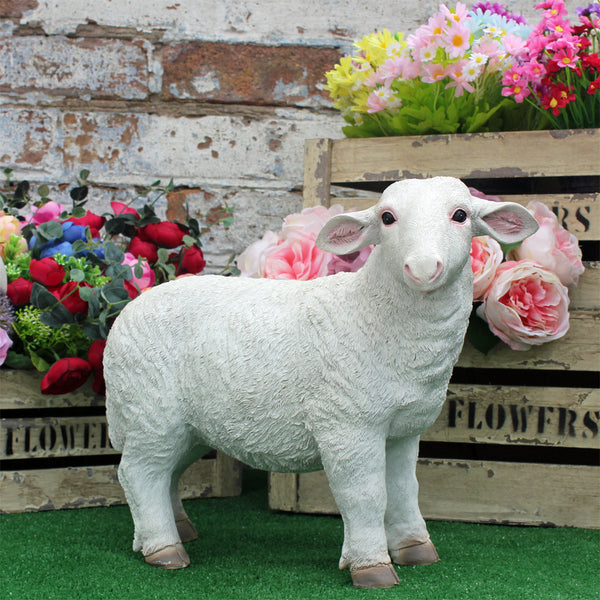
(21, 389)
(578, 350)
(51, 437)
(532, 416)
(317, 172)
(512, 493)
(467, 156)
(78, 487)
(478, 491)
(577, 213)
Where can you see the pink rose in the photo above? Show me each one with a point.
(47, 212)
(148, 277)
(526, 305)
(297, 257)
(310, 221)
(486, 256)
(5, 344)
(251, 261)
(552, 246)
(348, 263)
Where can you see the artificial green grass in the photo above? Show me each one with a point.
(248, 552)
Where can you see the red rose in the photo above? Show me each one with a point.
(19, 291)
(122, 209)
(47, 271)
(193, 260)
(66, 375)
(189, 260)
(131, 289)
(68, 294)
(139, 247)
(95, 356)
(91, 220)
(165, 233)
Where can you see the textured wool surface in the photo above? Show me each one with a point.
(246, 551)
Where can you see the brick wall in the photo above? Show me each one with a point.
(219, 95)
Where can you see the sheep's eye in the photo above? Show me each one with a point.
(388, 218)
(460, 216)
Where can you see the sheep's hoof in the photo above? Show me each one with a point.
(186, 530)
(379, 576)
(169, 557)
(418, 554)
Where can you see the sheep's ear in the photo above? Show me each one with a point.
(349, 232)
(506, 222)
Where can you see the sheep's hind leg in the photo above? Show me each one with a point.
(185, 527)
(146, 478)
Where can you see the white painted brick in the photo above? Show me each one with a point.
(95, 67)
(227, 150)
(329, 22)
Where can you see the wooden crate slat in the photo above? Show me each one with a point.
(467, 156)
(78, 487)
(578, 350)
(503, 492)
(317, 172)
(480, 491)
(578, 213)
(52, 437)
(536, 416)
(21, 389)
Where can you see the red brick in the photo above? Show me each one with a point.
(14, 9)
(244, 73)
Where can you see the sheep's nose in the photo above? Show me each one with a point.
(423, 270)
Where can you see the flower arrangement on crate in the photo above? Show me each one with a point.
(474, 70)
(521, 292)
(70, 272)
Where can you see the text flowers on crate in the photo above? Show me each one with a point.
(521, 291)
(68, 273)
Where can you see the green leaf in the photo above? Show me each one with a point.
(92, 330)
(50, 230)
(84, 174)
(112, 253)
(41, 297)
(77, 275)
(163, 255)
(38, 362)
(138, 270)
(43, 190)
(85, 293)
(57, 317)
(14, 360)
(188, 240)
(480, 335)
(114, 295)
(78, 212)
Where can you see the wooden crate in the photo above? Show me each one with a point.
(518, 439)
(56, 453)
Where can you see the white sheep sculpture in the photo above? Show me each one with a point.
(342, 373)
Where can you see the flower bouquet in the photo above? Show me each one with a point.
(468, 71)
(520, 293)
(66, 274)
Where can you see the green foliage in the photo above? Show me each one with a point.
(44, 344)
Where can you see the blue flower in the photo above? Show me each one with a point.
(73, 233)
(57, 248)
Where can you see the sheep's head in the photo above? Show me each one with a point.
(424, 229)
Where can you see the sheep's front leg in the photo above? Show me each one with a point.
(407, 535)
(354, 462)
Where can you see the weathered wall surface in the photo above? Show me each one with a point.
(220, 96)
